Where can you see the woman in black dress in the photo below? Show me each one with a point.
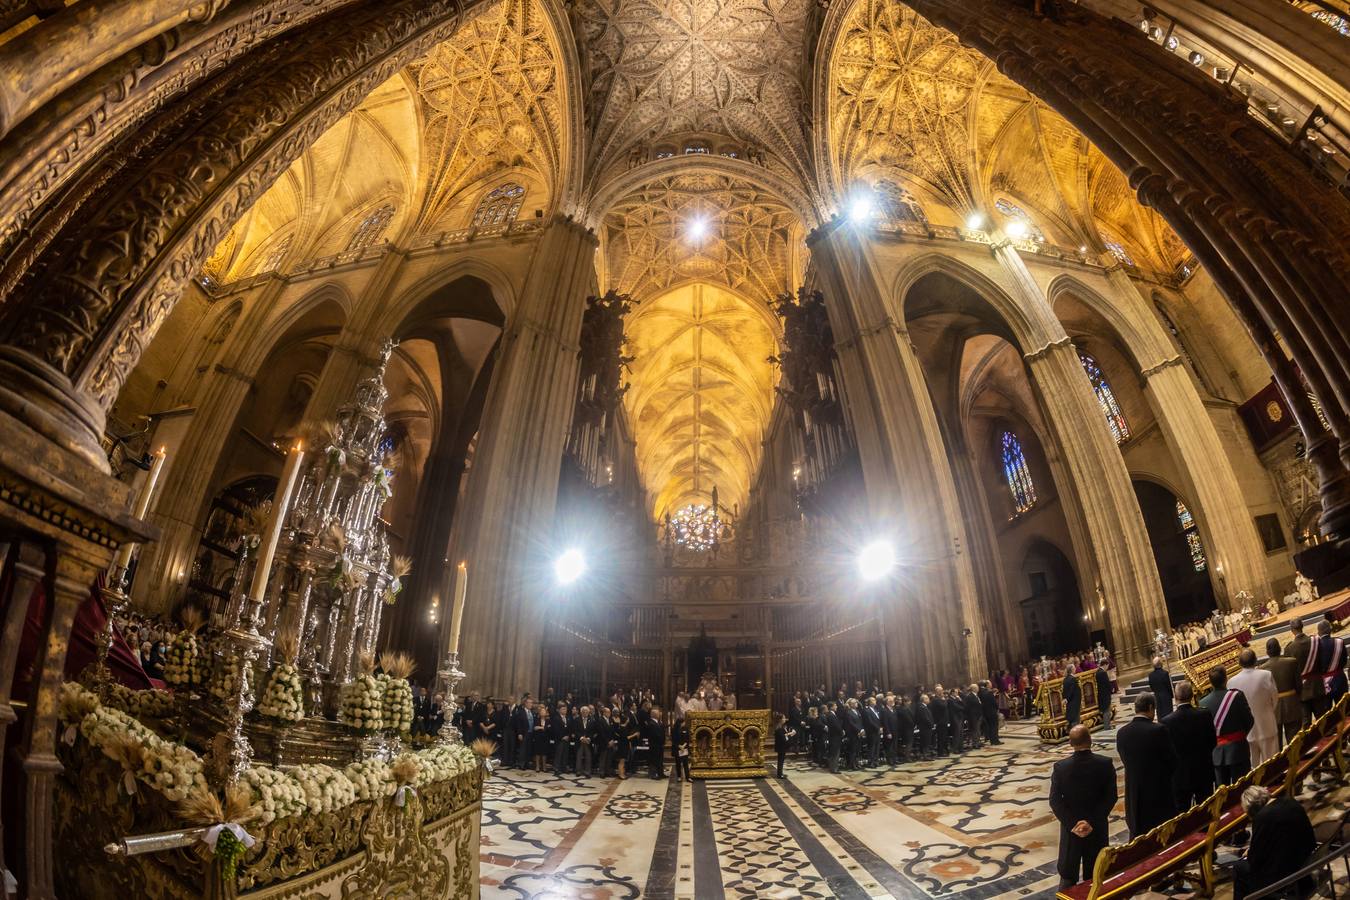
(622, 730)
(541, 742)
(487, 726)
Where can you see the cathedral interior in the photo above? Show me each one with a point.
(367, 367)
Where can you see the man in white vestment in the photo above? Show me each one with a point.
(1307, 593)
(1258, 686)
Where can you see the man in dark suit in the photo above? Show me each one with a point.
(820, 736)
(974, 717)
(583, 731)
(1283, 841)
(1160, 683)
(937, 705)
(871, 721)
(796, 718)
(1192, 733)
(1289, 710)
(853, 732)
(923, 721)
(1150, 763)
(889, 735)
(655, 733)
(956, 721)
(1073, 697)
(904, 729)
(834, 736)
(1105, 700)
(560, 727)
(1232, 720)
(522, 728)
(1302, 650)
(1082, 794)
(605, 742)
(989, 705)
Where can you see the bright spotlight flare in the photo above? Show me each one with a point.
(876, 560)
(570, 566)
(860, 210)
(698, 228)
(1016, 229)
(975, 221)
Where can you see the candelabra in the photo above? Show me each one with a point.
(450, 675)
(115, 600)
(231, 752)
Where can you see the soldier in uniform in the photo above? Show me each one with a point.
(1285, 670)
(1232, 720)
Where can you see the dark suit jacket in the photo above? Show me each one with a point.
(1193, 738)
(1083, 788)
(889, 721)
(938, 707)
(1160, 683)
(1150, 763)
(780, 739)
(989, 702)
(853, 720)
(520, 725)
(1282, 842)
(1103, 689)
(1073, 699)
(923, 716)
(1238, 719)
(871, 720)
(974, 710)
(833, 726)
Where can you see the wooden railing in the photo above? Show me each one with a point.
(1190, 838)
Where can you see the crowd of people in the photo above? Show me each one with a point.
(149, 638)
(1176, 750)
(605, 738)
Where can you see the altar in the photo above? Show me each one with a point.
(727, 743)
(1054, 724)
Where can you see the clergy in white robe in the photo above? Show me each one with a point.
(1258, 686)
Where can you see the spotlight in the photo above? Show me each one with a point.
(876, 560)
(698, 228)
(570, 566)
(860, 210)
(975, 221)
(1016, 229)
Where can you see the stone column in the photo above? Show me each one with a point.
(1235, 551)
(905, 467)
(190, 474)
(73, 579)
(507, 532)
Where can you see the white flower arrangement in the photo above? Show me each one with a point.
(284, 696)
(181, 664)
(398, 699)
(363, 703)
(150, 703)
(326, 788)
(176, 772)
(226, 681)
(171, 769)
(279, 795)
(371, 779)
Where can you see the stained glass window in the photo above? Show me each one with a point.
(1197, 550)
(499, 206)
(1116, 249)
(1184, 516)
(371, 228)
(1018, 475)
(1014, 213)
(1192, 534)
(1338, 22)
(1106, 399)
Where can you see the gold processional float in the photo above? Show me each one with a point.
(195, 793)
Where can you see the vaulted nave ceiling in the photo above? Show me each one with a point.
(660, 71)
(907, 102)
(480, 109)
(702, 253)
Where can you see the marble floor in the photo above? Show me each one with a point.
(966, 828)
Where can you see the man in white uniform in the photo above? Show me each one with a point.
(1258, 686)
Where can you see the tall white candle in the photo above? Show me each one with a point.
(142, 507)
(457, 612)
(281, 504)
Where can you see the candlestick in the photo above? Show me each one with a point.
(457, 612)
(140, 511)
(281, 503)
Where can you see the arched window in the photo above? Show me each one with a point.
(1106, 399)
(898, 204)
(1192, 535)
(278, 255)
(1018, 475)
(1116, 249)
(371, 228)
(1014, 213)
(500, 206)
(1336, 21)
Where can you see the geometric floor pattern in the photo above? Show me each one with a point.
(964, 828)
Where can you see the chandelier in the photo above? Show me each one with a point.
(697, 527)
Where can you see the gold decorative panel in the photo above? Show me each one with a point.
(728, 743)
